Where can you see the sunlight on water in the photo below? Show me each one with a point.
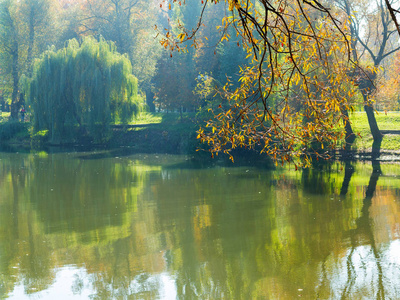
(74, 283)
(68, 284)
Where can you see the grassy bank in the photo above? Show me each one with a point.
(174, 129)
(386, 121)
(168, 133)
(159, 132)
(180, 129)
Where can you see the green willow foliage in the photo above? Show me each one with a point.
(82, 89)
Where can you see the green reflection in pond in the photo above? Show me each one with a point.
(91, 226)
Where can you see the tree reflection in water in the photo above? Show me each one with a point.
(364, 232)
(117, 228)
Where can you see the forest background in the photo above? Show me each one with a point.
(192, 79)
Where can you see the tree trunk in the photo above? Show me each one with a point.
(14, 97)
(367, 88)
(150, 100)
(373, 125)
(31, 40)
(350, 136)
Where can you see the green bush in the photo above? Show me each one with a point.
(39, 138)
(12, 129)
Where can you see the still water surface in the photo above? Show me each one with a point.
(88, 226)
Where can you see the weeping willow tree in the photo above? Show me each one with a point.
(82, 89)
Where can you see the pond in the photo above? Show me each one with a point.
(94, 225)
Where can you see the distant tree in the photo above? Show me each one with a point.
(40, 18)
(10, 39)
(86, 87)
(176, 75)
(27, 27)
(373, 32)
(388, 85)
(393, 12)
(211, 96)
(71, 14)
(130, 25)
(176, 82)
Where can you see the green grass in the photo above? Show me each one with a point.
(165, 118)
(171, 122)
(169, 133)
(148, 118)
(4, 116)
(386, 121)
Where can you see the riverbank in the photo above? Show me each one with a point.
(162, 133)
(386, 121)
(168, 133)
(150, 132)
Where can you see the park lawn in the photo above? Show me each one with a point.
(142, 118)
(160, 132)
(386, 121)
(167, 121)
(170, 118)
(172, 123)
(4, 116)
(147, 118)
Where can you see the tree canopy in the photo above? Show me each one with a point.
(293, 96)
(83, 86)
(26, 29)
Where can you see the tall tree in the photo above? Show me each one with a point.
(87, 86)
(176, 74)
(40, 18)
(376, 39)
(71, 13)
(26, 28)
(130, 24)
(175, 85)
(289, 42)
(10, 47)
(393, 12)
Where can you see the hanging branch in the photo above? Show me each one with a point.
(293, 92)
(392, 11)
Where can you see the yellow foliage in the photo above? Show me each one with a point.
(297, 89)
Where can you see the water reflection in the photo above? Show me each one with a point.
(103, 227)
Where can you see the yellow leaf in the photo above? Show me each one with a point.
(181, 36)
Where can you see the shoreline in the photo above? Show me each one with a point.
(176, 147)
(173, 137)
